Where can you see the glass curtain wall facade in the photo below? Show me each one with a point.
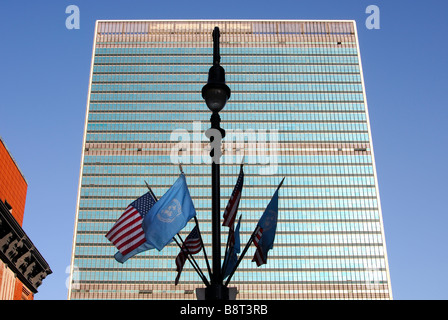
(298, 110)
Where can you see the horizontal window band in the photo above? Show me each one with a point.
(279, 131)
(282, 164)
(241, 269)
(202, 101)
(308, 211)
(90, 140)
(234, 82)
(304, 257)
(323, 209)
(224, 121)
(206, 172)
(283, 145)
(207, 175)
(360, 209)
(226, 65)
(137, 122)
(223, 55)
(286, 211)
(230, 74)
(277, 245)
(233, 92)
(206, 124)
(99, 216)
(251, 186)
(248, 233)
(244, 103)
(207, 112)
(268, 141)
(296, 221)
(206, 211)
(340, 43)
(230, 145)
(201, 284)
(206, 187)
(105, 41)
(203, 59)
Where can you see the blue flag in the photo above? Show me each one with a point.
(264, 241)
(169, 215)
(235, 248)
(122, 258)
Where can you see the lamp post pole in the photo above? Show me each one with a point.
(216, 93)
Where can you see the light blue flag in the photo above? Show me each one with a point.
(169, 215)
(268, 223)
(236, 248)
(122, 258)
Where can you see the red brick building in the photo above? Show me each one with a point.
(22, 268)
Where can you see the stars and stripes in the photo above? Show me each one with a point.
(259, 256)
(193, 242)
(127, 233)
(191, 245)
(232, 206)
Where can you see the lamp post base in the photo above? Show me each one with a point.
(217, 292)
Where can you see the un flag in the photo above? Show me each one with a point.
(169, 215)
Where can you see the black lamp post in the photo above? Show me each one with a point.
(216, 93)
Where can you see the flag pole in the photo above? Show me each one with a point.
(150, 190)
(199, 272)
(203, 248)
(281, 182)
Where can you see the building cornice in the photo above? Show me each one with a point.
(18, 252)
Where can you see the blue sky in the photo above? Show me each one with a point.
(44, 75)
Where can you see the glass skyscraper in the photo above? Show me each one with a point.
(298, 110)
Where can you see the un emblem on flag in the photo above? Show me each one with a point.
(170, 212)
(270, 221)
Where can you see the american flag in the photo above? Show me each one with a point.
(234, 201)
(191, 245)
(259, 255)
(127, 233)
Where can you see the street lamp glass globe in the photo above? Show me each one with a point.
(215, 97)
